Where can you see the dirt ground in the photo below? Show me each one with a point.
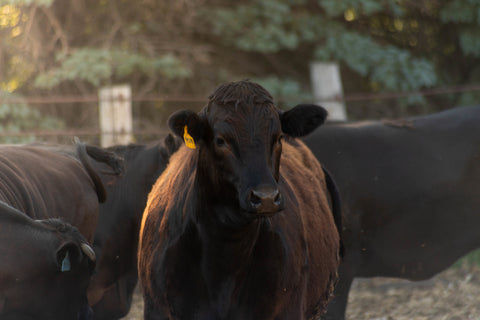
(451, 295)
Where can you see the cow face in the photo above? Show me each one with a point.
(239, 135)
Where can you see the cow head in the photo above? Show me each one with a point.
(47, 272)
(239, 136)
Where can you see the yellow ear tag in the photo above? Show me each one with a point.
(189, 142)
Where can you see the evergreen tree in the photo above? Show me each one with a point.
(188, 47)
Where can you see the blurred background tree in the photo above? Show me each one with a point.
(188, 47)
(20, 118)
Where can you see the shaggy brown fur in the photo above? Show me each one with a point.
(203, 255)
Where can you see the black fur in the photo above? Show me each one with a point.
(178, 120)
(302, 119)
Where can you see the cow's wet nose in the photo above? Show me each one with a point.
(265, 200)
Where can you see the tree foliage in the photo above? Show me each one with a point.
(188, 47)
(20, 118)
(99, 66)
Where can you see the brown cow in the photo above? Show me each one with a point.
(232, 232)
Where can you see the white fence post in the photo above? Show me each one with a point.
(115, 112)
(327, 86)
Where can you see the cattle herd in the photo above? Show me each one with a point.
(243, 212)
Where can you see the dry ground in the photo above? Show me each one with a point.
(451, 295)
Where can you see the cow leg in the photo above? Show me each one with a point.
(117, 299)
(337, 307)
(86, 314)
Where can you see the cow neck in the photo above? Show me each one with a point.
(228, 256)
(217, 216)
(228, 245)
(228, 235)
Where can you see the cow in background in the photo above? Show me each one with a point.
(410, 192)
(45, 268)
(116, 238)
(46, 183)
(54, 181)
(240, 226)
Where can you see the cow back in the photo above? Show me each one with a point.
(46, 184)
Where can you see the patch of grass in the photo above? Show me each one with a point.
(471, 259)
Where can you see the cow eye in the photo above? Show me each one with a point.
(220, 142)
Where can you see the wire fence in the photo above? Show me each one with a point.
(93, 98)
(150, 112)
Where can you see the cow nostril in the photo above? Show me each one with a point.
(254, 199)
(265, 200)
(278, 198)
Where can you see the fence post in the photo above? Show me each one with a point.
(327, 86)
(115, 111)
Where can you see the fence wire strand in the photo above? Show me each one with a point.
(94, 98)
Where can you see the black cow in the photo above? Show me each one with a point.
(230, 231)
(410, 194)
(116, 238)
(45, 267)
(46, 181)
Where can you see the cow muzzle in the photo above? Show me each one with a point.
(264, 200)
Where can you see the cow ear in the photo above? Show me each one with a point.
(187, 125)
(302, 119)
(67, 256)
(171, 143)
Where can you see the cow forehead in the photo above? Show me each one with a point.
(243, 107)
(245, 119)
